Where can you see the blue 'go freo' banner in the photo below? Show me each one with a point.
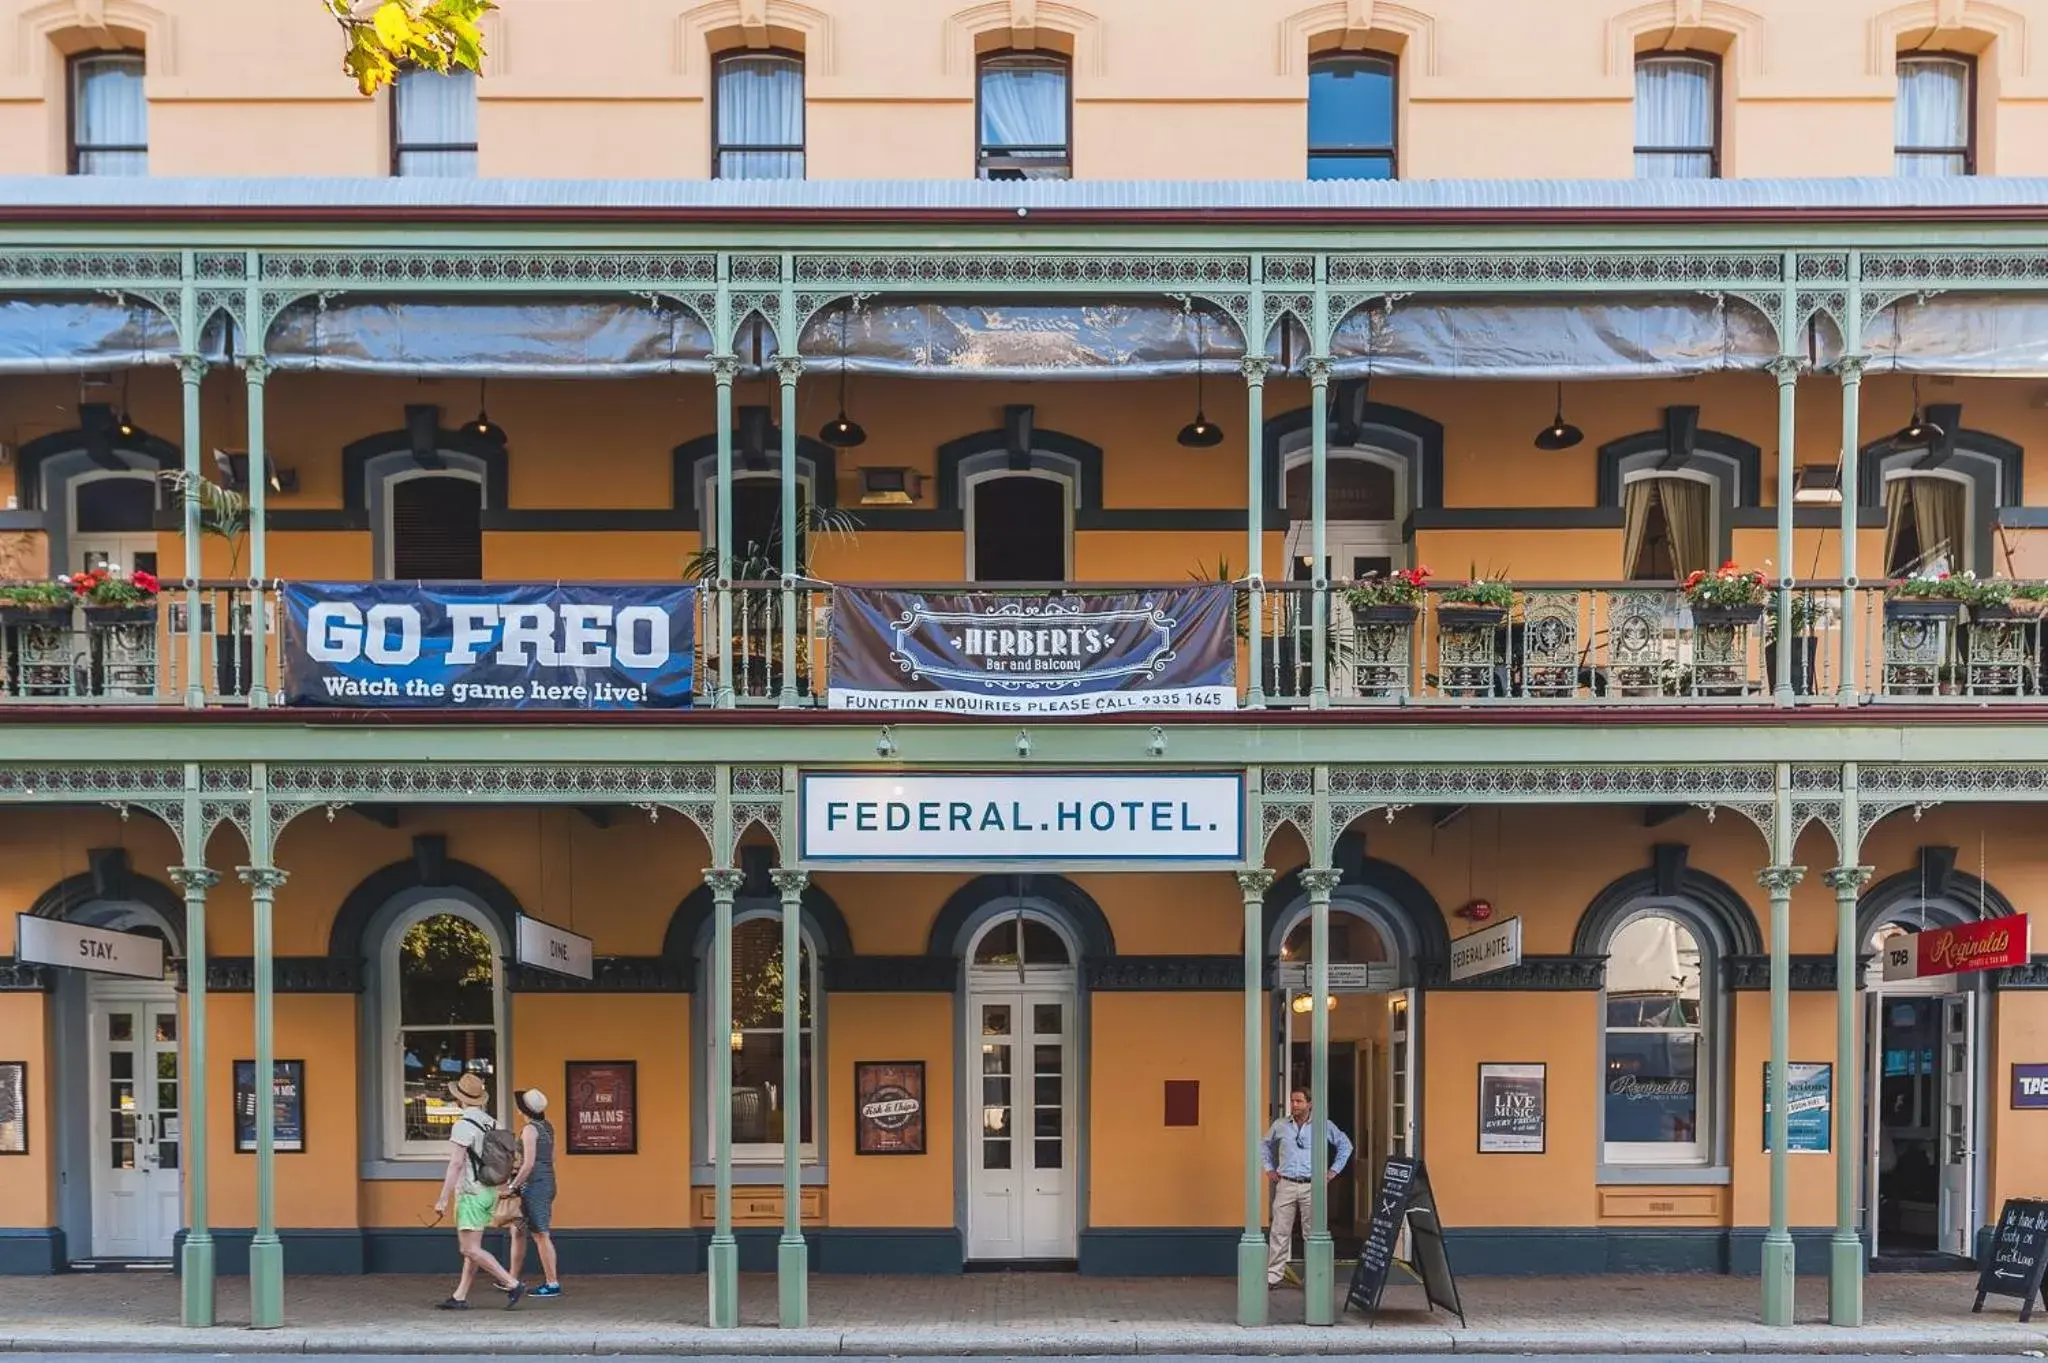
(494, 646)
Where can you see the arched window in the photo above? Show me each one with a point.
(1025, 941)
(1678, 116)
(113, 521)
(1927, 523)
(440, 1000)
(1353, 99)
(756, 1039)
(1657, 1044)
(1935, 118)
(433, 124)
(1020, 526)
(758, 117)
(109, 115)
(1669, 527)
(1025, 114)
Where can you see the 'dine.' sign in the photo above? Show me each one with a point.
(1990, 944)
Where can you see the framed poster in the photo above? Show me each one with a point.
(288, 1092)
(1809, 1109)
(888, 1097)
(13, 1107)
(1512, 1109)
(604, 1107)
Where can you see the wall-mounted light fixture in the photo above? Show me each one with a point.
(1817, 485)
(233, 467)
(892, 486)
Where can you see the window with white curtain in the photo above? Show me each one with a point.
(1657, 1105)
(433, 124)
(109, 115)
(1678, 120)
(759, 120)
(1933, 126)
(1351, 108)
(1025, 106)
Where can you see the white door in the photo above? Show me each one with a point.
(1958, 1125)
(111, 523)
(136, 1137)
(1022, 1187)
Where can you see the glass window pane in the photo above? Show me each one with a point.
(995, 1121)
(123, 1154)
(760, 133)
(1921, 165)
(1047, 1154)
(115, 505)
(434, 1060)
(166, 1026)
(1047, 1088)
(167, 1064)
(1652, 1087)
(120, 1026)
(110, 115)
(1675, 103)
(1933, 109)
(757, 1090)
(995, 1154)
(1653, 956)
(166, 1097)
(1046, 1018)
(437, 165)
(121, 1064)
(1042, 945)
(434, 116)
(995, 1091)
(166, 1154)
(446, 975)
(1351, 167)
(995, 1020)
(1048, 1059)
(1047, 1121)
(995, 1059)
(998, 946)
(1023, 103)
(1350, 104)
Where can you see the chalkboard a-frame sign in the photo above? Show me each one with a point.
(1404, 1198)
(2017, 1256)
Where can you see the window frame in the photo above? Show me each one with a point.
(1705, 1157)
(984, 159)
(1719, 71)
(399, 147)
(770, 1153)
(1968, 151)
(1392, 151)
(392, 1144)
(74, 105)
(383, 482)
(719, 149)
(969, 483)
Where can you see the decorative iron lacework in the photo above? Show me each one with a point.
(89, 270)
(1932, 783)
(1956, 269)
(100, 783)
(1452, 272)
(429, 269)
(1141, 270)
(345, 783)
(1721, 785)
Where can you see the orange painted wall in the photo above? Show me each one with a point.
(893, 1190)
(28, 1183)
(2018, 1141)
(1143, 1172)
(1812, 1175)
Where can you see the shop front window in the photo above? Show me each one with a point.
(446, 1022)
(1657, 1060)
(756, 1041)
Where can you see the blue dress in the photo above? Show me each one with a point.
(537, 1197)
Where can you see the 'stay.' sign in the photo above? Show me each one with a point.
(1988, 945)
(51, 941)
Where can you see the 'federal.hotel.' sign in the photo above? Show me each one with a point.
(1186, 817)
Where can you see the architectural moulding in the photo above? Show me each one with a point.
(1689, 21)
(754, 21)
(43, 29)
(1968, 24)
(1023, 24)
(1357, 25)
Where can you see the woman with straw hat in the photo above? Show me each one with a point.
(474, 1200)
(535, 1184)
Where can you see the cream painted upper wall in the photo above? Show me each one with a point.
(1199, 89)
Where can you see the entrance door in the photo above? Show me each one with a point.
(1922, 1124)
(136, 1140)
(1022, 1190)
(113, 523)
(1958, 1125)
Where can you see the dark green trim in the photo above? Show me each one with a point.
(288, 974)
(892, 975)
(685, 459)
(356, 457)
(1166, 1251)
(911, 518)
(1515, 518)
(12, 518)
(610, 975)
(109, 876)
(1805, 517)
(1547, 973)
(1158, 518)
(1682, 433)
(1087, 458)
(2023, 517)
(889, 1249)
(28, 460)
(429, 866)
(1810, 973)
(586, 519)
(295, 518)
(1500, 1251)
(411, 1249)
(31, 1251)
(2032, 975)
(1084, 915)
(18, 977)
(1149, 973)
(327, 1252)
(1669, 877)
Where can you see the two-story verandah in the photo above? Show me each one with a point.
(1766, 269)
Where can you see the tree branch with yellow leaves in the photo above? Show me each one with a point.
(386, 36)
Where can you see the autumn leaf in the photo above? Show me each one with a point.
(432, 35)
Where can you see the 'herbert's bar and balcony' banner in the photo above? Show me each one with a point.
(998, 654)
(492, 646)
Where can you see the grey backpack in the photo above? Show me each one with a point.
(494, 1157)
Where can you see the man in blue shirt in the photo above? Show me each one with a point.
(1290, 1170)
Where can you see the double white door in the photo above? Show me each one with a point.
(137, 1141)
(1920, 1111)
(1023, 1163)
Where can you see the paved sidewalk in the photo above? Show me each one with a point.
(1007, 1314)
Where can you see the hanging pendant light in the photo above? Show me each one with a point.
(1918, 431)
(841, 432)
(1201, 433)
(482, 427)
(124, 425)
(1559, 434)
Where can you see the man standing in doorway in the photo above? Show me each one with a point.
(1290, 1170)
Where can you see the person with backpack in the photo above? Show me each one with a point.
(481, 1158)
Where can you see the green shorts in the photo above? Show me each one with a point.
(473, 1210)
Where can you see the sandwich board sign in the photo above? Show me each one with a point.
(1404, 1201)
(2017, 1256)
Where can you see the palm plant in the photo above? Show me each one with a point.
(756, 639)
(224, 514)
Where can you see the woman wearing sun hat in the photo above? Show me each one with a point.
(535, 1184)
(473, 1200)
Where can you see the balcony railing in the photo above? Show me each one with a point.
(1588, 645)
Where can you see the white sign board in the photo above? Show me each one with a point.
(1487, 950)
(50, 941)
(1346, 977)
(893, 817)
(548, 947)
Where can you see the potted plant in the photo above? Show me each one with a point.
(1930, 596)
(1806, 615)
(34, 603)
(1387, 598)
(1727, 597)
(36, 619)
(1480, 603)
(756, 642)
(223, 514)
(111, 599)
(120, 628)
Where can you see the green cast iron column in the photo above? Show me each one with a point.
(266, 1252)
(1786, 367)
(1851, 371)
(724, 369)
(191, 371)
(722, 1264)
(1319, 1251)
(1845, 1250)
(1251, 1246)
(196, 1260)
(788, 368)
(1778, 879)
(792, 1258)
(1254, 369)
(256, 370)
(1319, 512)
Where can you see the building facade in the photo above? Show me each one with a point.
(1578, 391)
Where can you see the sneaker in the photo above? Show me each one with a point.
(452, 1304)
(1293, 1279)
(548, 1290)
(513, 1294)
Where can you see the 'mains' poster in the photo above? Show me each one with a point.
(1002, 654)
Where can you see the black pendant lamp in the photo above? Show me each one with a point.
(482, 427)
(841, 432)
(1918, 431)
(124, 425)
(1201, 433)
(1559, 434)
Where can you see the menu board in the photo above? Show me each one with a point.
(2018, 1254)
(604, 1107)
(1404, 1199)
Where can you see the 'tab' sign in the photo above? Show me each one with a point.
(2029, 1085)
(498, 646)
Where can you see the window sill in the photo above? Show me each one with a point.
(1673, 1174)
(759, 1175)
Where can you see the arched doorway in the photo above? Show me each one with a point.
(1020, 1105)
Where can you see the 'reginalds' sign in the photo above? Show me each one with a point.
(1989, 945)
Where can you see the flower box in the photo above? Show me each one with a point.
(1457, 615)
(113, 616)
(1726, 617)
(1922, 608)
(1383, 615)
(46, 617)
